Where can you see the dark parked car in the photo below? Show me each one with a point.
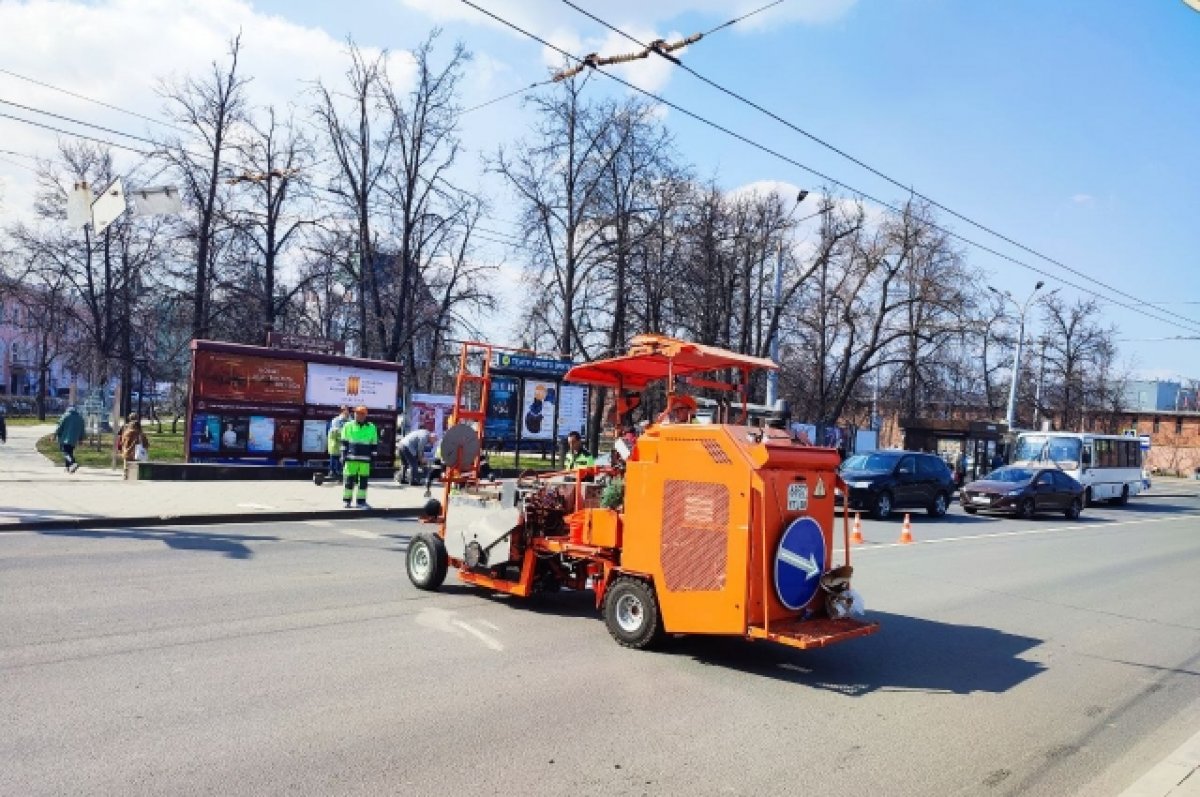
(1024, 492)
(882, 481)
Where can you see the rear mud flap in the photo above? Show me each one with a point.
(817, 633)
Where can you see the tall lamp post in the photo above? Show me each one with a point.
(1010, 415)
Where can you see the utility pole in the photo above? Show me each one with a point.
(773, 376)
(1037, 399)
(1010, 417)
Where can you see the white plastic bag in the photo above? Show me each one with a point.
(139, 453)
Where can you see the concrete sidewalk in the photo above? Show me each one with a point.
(36, 494)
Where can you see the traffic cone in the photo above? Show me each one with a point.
(906, 530)
(856, 537)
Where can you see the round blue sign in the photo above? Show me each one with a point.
(799, 563)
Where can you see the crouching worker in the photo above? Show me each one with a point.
(360, 438)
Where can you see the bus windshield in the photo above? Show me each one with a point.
(1062, 451)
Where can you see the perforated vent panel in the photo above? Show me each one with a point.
(695, 528)
(711, 447)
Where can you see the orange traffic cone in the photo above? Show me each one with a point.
(906, 530)
(856, 537)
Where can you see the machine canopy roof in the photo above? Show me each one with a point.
(656, 357)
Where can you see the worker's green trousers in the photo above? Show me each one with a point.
(355, 473)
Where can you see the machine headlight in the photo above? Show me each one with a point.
(1013, 493)
(860, 485)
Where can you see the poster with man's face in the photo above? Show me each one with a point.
(537, 410)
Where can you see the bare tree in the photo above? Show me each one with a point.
(273, 157)
(209, 109)
(1076, 344)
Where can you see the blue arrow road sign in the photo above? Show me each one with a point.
(799, 562)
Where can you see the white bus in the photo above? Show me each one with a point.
(1108, 466)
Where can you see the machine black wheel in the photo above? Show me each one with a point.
(1087, 497)
(1124, 499)
(426, 561)
(970, 510)
(883, 506)
(941, 502)
(1026, 509)
(631, 613)
(1075, 509)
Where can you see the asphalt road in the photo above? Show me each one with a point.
(1042, 657)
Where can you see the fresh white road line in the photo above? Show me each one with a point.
(1176, 775)
(482, 636)
(360, 533)
(322, 524)
(1021, 533)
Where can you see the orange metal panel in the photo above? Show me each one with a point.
(686, 525)
(602, 528)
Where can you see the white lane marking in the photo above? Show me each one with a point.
(360, 533)
(1164, 777)
(249, 505)
(489, 625)
(324, 524)
(1023, 532)
(482, 636)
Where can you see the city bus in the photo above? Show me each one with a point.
(1108, 466)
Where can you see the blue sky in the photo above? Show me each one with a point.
(1070, 126)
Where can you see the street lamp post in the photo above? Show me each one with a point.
(1010, 415)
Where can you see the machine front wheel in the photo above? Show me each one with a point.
(426, 561)
(631, 613)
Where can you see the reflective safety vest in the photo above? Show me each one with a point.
(573, 460)
(359, 441)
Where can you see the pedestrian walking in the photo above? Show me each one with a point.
(134, 444)
(3, 427)
(412, 454)
(334, 443)
(360, 439)
(69, 432)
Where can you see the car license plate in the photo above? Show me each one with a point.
(981, 499)
(797, 497)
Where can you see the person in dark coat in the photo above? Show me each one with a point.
(69, 432)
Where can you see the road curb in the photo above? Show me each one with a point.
(1175, 776)
(98, 522)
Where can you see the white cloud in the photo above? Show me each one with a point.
(115, 51)
(1083, 199)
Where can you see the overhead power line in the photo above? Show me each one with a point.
(1136, 308)
(92, 100)
(878, 173)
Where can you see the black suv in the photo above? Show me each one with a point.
(881, 481)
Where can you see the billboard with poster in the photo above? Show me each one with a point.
(335, 385)
(504, 409)
(430, 411)
(572, 409)
(253, 405)
(226, 376)
(537, 409)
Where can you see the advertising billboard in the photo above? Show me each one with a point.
(225, 376)
(537, 409)
(572, 409)
(335, 385)
(430, 411)
(504, 408)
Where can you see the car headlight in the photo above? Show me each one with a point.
(1013, 493)
(859, 485)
